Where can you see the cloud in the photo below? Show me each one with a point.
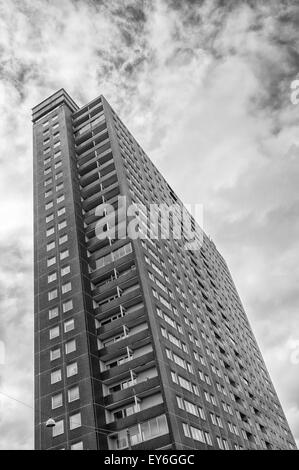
(205, 88)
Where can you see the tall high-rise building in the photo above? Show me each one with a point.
(140, 343)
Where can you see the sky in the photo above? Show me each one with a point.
(204, 86)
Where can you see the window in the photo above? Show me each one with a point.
(52, 294)
(180, 403)
(54, 332)
(191, 408)
(61, 211)
(55, 354)
(56, 401)
(186, 430)
(51, 261)
(58, 175)
(48, 193)
(49, 218)
(48, 181)
(72, 369)
(185, 384)
(58, 429)
(65, 270)
(46, 123)
(63, 239)
(50, 231)
(66, 287)
(69, 325)
(50, 246)
(47, 150)
(59, 187)
(220, 443)
(53, 313)
(77, 446)
(55, 376)
(49, 205)
(73, 394)
(70, 346)
(52, 277)
(47, 170)
(197, 434)
(58, 164)
(64, 254)
(62, 225)
(56, 144)
(67, 306)
(60, 199)
(75, 421)
(174, 377)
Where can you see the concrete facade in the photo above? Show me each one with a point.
(140, 343)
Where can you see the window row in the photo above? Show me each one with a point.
(69, 348)
(73, 394)
(74, 423)
(184, 383)
(51, 230)
(63, 271)
(71, 370)
(179, 361)
(62, 255)
(197, 434)
(66, 307)
(58, 187)
(174, 340)
(65, 288)
(68, 325)
(191, 408)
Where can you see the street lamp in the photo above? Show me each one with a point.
(50, 423)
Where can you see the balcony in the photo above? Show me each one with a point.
(91, 217)
(90, 111)
(131, 316)
(144, 378)
(99, 172)
(129, 309)
(133, 336)
(98, 276)
(116, 291)
(94, 159)
(135, 294)
(131, 364)
(121, 279)
(93, 201)
(92, 142)
(108, 227)
(99, 185)
(90, 128)
(99, 148)
(141, 414)
(126, 349)
(139, 433)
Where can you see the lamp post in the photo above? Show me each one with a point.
(50, 423)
